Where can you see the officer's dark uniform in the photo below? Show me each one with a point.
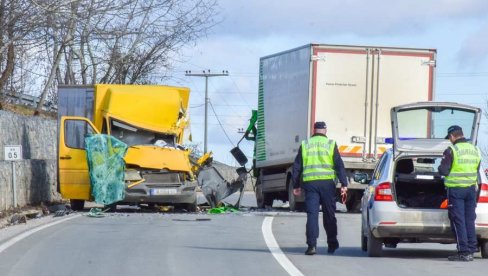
(460, 166)
(319, 184)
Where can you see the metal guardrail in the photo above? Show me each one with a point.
(28, 100)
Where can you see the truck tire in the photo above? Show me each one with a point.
(192, 207)
(353, 202)
(111, 207)
(77, 204)
(374, 245)
(294, 205)
(262, 199)
(484, 248)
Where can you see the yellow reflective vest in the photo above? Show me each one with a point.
(464, 170)
(318, 159)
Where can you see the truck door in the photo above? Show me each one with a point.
(74, 182)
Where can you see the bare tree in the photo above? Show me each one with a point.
(94, 41)
(15, 29)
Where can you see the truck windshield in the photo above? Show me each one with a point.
(136, 136)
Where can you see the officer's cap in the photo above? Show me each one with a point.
(319, 125)
(451, 129)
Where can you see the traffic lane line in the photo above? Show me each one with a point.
(32, 231)
(274, 248)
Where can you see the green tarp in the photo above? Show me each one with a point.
(106, 167)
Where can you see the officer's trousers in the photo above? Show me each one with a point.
(462, 205)
(320, 192)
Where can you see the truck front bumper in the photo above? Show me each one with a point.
(143, 193)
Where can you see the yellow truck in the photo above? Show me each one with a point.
(150, 119)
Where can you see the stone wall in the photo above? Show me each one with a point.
(35, 174)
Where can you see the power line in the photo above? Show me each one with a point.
(221, 126)
(238, 90)
(198, 105)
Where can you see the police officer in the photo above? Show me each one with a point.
(460, 165)
(318, 163)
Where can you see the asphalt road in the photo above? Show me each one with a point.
(135, 243)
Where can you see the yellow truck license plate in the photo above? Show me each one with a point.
(163, 191)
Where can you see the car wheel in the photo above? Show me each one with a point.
(364, 240)
(484, 249)
(77, 204)
(374, 245)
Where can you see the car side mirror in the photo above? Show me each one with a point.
(362, 177)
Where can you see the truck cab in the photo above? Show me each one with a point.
(150, 119)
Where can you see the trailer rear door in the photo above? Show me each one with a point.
(354, 88)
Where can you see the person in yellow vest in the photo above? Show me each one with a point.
(460, 165)
(319, 164)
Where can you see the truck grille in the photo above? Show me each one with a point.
(162, 179)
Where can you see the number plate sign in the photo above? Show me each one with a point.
(13, 152)
(163, 191)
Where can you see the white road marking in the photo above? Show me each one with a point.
(26, 234)
(275, 249)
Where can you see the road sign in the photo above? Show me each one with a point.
(13, 152)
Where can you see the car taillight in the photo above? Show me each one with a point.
(383, 192)
(483, 193)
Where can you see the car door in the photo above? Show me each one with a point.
(73, 178)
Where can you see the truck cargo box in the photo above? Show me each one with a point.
(351, 88)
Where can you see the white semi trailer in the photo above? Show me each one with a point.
(352, 89)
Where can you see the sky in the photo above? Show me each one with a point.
(250, 29)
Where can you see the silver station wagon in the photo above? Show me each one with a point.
(402, 202)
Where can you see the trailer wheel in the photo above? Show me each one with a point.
(484, 249)
(77, 204)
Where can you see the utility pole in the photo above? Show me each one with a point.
(206, 74)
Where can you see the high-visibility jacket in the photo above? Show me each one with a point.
(464, 170)
(318, 159)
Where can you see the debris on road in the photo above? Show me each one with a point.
(223, 210)
(18, 218)
(215, 187)
(96, 213)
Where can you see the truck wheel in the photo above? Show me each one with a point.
(192, 207)
(353, 203)
(111, 207)
(262, 199)
(77, 204)
(374, 245)
(484, 249)
(294, 205)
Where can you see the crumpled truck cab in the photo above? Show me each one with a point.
(150, 119)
